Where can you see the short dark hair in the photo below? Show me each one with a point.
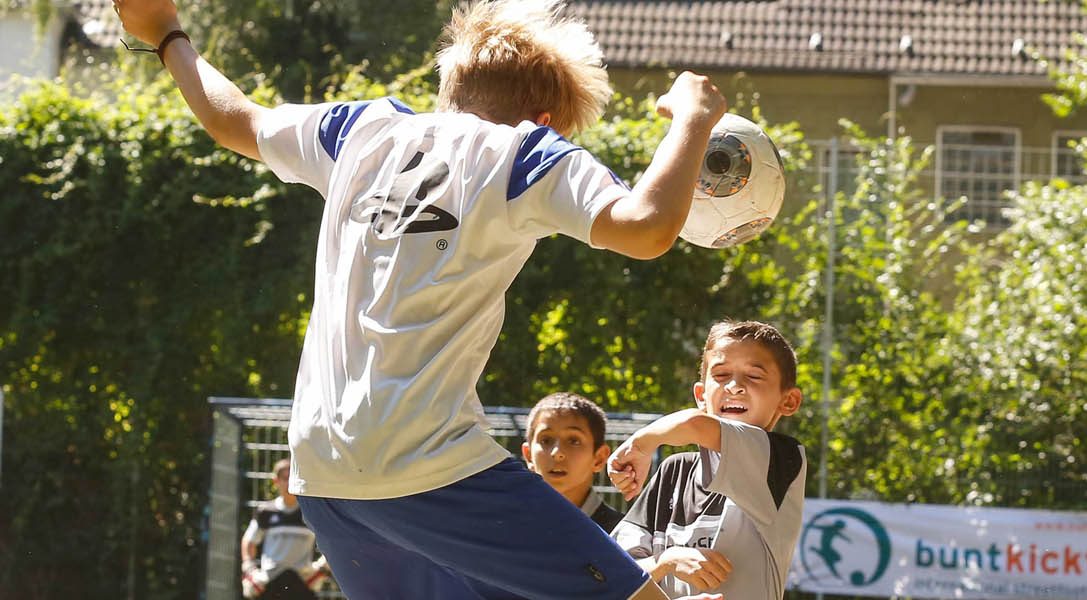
(764, 334)
(570, 402)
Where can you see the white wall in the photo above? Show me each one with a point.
(26, 51)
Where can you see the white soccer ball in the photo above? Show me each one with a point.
(740, 188)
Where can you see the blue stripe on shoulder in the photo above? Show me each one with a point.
(337, 123)
(539, 152)
(400, 106)
(339, 119)
(618, 181)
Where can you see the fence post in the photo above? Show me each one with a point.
(828, 319)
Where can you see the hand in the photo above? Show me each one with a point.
(321, 564)
(700, 567)
(254, 580)
(250, 564)
(319, 570)
(148, 20)
(628, 468)
(703, 597)
(693, 97)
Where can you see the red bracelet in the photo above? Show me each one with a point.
(173, 35)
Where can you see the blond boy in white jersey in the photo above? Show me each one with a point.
(427, 220)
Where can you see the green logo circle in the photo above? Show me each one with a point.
(827, 532)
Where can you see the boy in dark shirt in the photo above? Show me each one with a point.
(564, 443)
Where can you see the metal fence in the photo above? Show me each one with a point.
(981, 166)
(250, 435)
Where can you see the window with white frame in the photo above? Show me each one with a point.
(980, 163)
(843, 172)
(1067, 163)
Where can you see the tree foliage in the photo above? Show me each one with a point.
(145, 270)
(1024, 316)
(299, 46)
(896, 422)
(304, 45)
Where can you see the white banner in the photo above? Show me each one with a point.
(929, 551)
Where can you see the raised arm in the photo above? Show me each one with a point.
(226, 113)
(628, 466)
(646, 223)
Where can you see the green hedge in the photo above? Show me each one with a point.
(144, 270)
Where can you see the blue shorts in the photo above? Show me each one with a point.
(503, 533)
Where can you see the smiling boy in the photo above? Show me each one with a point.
(725, 518)
(564, 443)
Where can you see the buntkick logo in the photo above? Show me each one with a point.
(1012, 558)
(837, 543)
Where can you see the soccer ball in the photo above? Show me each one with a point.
(740, 188)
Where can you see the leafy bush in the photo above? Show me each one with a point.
(145, 269)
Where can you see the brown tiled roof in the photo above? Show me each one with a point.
(929, 37)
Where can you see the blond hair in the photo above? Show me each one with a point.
(508, 60)
(281, 465)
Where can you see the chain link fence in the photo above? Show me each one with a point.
(250, 435)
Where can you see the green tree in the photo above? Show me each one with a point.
(303, 46)
(897, 427)
(1024, 308)
(1023, 298)
(298, 46)
(129, 298)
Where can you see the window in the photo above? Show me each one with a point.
(980, 164)
(845, 170)
(1067, 163)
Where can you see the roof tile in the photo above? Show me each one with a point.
(972, 37)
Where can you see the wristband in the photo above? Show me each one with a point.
(173, 35)
(160, 51)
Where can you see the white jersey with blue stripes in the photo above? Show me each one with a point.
(427, 220)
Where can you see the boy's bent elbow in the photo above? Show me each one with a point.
(644, 225)
(246, 146)
(641, 239)
(652, 247)
(640, 247)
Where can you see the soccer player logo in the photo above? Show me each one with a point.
(838, 544)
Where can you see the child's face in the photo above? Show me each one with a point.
(282, 481)
(561, 451)
(743, 383)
